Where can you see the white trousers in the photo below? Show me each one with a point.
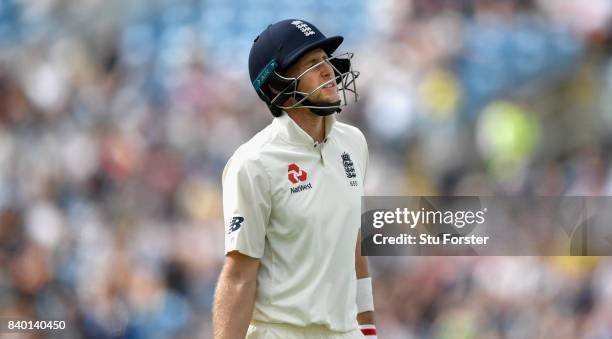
(259, 330)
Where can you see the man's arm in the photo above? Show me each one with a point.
(361, 268)
(235, 296)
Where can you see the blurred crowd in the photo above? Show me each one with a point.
(117, 118)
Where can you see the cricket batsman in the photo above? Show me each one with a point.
(292, 200)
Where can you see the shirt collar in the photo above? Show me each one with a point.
(291, 132)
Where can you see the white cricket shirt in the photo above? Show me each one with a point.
(295, 204)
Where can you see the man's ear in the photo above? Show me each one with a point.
(278, 83)
(284, 100)
(271, 89)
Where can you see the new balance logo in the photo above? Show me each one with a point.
(302, 26)
(235, 224)
(296, 174)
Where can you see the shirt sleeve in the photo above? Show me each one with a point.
(246, 207)
(366, 157)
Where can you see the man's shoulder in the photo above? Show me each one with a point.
(351, 132)
(250, 152)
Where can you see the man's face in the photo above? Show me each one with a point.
(315, 77)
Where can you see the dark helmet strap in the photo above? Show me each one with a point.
(323, 110)
(319, 109)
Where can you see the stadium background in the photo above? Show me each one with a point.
(117, 117)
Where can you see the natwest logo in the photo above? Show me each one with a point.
(296, 174)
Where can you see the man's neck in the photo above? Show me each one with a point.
(311, 123)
